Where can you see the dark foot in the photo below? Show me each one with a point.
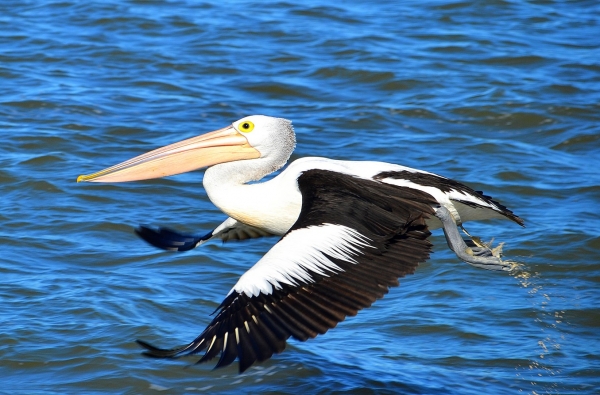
(170, 240)
(472, 252)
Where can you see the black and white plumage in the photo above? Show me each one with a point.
(466, 202)
(350, 230)
(328, 266)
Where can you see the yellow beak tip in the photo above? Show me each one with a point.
(81, 178)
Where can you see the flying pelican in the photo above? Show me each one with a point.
(350, 230)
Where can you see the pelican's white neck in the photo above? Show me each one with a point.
(272, 205)
(237, 173)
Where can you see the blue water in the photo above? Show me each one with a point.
(502, 95)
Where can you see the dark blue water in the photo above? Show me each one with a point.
(502, 95)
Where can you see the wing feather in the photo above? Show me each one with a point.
(172, 240)
(381, 236)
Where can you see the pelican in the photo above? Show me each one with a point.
(349, 231)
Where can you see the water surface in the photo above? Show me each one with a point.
(502, 95)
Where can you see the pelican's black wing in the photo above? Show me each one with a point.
(352, 241)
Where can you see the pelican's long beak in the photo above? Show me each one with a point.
(220, 146)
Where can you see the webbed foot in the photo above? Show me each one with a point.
(472, 251)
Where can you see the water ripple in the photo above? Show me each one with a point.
(502, 95)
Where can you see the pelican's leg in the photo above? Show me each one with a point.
(477, 254)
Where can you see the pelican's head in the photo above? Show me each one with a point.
(253, 137)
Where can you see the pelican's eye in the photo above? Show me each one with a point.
(246, 126)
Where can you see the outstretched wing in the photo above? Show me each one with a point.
(352, 241)
(171, 240)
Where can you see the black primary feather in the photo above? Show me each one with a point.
(170, 240)
(392, 218)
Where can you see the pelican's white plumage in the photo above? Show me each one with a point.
(306, 251)
(350, 230)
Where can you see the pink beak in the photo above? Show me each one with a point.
(220, 146)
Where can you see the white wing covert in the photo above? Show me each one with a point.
(352, 241)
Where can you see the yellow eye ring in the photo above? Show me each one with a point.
(246, 126)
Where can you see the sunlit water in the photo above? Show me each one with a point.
(503, 95)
